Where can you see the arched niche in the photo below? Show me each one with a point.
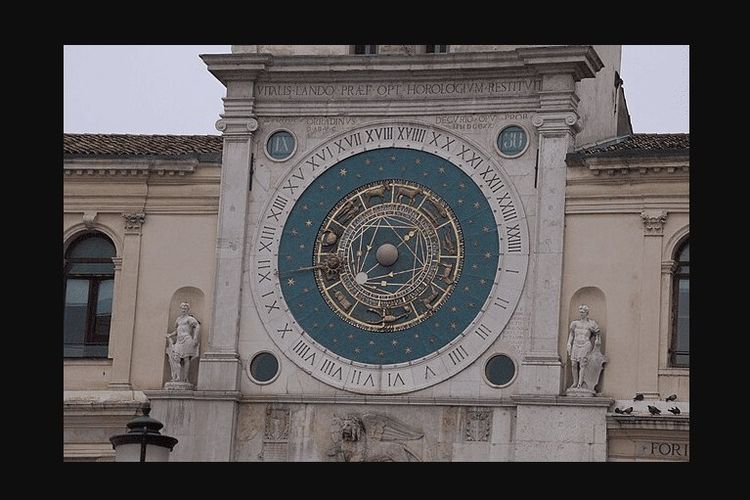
(196, 298)
(597, 302)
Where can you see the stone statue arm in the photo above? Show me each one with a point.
(596, 332)
(173, 333)
(196, 331)
(571, 335)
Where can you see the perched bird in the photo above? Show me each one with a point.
(671, 398)
(628, 410)
(653, 410)
(674, 410)
(638, 397)
(617, 410)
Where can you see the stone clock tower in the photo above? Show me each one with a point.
(389, 257)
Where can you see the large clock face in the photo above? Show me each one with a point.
(389, 269)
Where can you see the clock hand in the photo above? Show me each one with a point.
(331, 264)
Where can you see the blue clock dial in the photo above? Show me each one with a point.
(388, 256)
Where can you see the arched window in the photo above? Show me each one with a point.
(679, 352)
(88, 287)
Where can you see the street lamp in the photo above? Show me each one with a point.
(143, 442)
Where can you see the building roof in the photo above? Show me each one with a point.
(141, 145)
(636, 144)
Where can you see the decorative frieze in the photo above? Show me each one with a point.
(653, 222)
(618, 167)
(134, 222)
(88, 168)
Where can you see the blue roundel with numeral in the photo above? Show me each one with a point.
(388, 256)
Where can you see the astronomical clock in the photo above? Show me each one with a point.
(389, 258)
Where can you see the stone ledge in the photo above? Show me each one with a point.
(81, 398)
(642, 422)
(533, 399)
(195, 395)
(98, 452)
(89, 361)
(355, 399)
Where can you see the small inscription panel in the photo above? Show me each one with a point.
(663, 450)
(477, 121)
(322, 126)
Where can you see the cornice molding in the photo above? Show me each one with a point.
(129, 167)
(629, 164)
(581, 61)
(622, 205)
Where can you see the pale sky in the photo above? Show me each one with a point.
(166, 89)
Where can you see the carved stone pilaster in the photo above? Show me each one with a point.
(238, 121)
(478, 424)
(89, 219)
(117, 261)
(668, 267)
(237, 126)
(557, 123)
(653, 222)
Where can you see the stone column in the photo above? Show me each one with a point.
(557, 125)
(221, 366)
(126, 293)
(647, 374)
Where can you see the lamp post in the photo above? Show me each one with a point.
(143, 442)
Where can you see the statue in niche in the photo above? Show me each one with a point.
(372, 438)
(183, 344)
(584, 350)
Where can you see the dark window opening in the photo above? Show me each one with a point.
(436, 49)
(679, 352)
(366, 49)
(89, 276)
